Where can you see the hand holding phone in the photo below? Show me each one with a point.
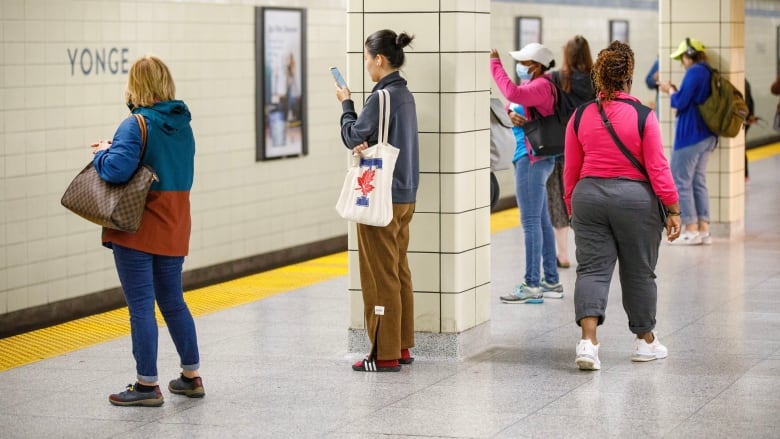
(337, 76)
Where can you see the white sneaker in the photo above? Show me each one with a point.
(687, 238)
(706, 238)
(649, 352)
(587, 355)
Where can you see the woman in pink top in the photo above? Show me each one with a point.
(531, 174)
(613, 207)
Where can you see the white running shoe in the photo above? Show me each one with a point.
(687, 238)
(706, 238)
(649, 352)
(588, 355)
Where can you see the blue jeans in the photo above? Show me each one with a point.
(145, 278)
(689, 165)
(531, 193)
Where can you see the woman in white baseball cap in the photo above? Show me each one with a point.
(537, 96)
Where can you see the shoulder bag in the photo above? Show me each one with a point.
(662, 212)
(546, 134)
(116, 206)
(367, 194)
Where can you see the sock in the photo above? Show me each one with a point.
(187, 380)
(386, 363)
(142, 388)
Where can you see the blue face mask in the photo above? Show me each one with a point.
(522, 72)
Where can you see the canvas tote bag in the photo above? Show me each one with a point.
(116, 206)
(366, 196)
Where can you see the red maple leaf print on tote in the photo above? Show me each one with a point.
(365, 180)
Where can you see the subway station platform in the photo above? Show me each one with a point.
(275, 362)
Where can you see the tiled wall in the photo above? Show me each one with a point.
(51, 110)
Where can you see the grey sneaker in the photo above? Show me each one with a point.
(524, 294)
(132, 397)
(193, 389)
(551, 291)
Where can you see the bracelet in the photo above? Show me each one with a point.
(670, 213)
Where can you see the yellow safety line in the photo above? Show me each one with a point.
(77, 334)
(67, 337)
(763, 152)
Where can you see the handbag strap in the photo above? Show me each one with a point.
(142, 126)
(384, 115)
(620, 145)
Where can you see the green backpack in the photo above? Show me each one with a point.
(724, 112)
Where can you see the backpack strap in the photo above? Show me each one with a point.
(641, 110)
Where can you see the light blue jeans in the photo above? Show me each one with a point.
(147, 278)
(531, 193)
(689, 166)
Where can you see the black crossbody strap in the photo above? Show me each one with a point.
(620, 144)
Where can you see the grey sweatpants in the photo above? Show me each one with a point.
(616, 220)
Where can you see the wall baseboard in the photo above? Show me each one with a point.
(42, 316)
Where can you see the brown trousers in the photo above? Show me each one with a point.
(387, 282)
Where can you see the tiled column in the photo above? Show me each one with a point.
(447, 67)
(720, 25)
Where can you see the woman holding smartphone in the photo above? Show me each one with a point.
(385, 278)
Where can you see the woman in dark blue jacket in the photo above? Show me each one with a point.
(385, 278)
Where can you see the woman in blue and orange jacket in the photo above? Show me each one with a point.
(149, 261)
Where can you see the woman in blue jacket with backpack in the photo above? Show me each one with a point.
(693, 142)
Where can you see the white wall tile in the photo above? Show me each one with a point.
(483, 303)
(428, 193)
(401, 6)
(458, 311)
(424, 232)
(424, 27)
(427, 312)
(482, 226)
(457, 151)
(429, 116)
(458, 272)
(458, 32)
(482, 187)
(457, 192)
(482, 264)
(460, 72)
(425, 271)
(457, 232)
(430, 150)
(421, 70)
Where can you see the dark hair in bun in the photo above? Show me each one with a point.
(391, 45)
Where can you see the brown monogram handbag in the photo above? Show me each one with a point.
(116, 206)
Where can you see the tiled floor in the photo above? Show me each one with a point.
(278, 367)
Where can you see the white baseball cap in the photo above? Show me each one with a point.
(534, 52)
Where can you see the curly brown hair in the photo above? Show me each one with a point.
(614, 67)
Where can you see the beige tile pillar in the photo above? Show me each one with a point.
(720, 25)
(448, 71)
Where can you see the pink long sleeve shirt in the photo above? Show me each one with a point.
(591, 152)
(538, 93)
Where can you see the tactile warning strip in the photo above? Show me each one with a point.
(67, 337)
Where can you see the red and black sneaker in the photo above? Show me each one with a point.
(368, 364)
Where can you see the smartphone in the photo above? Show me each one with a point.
(337, 76)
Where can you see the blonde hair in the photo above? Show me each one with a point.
(149, 81)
